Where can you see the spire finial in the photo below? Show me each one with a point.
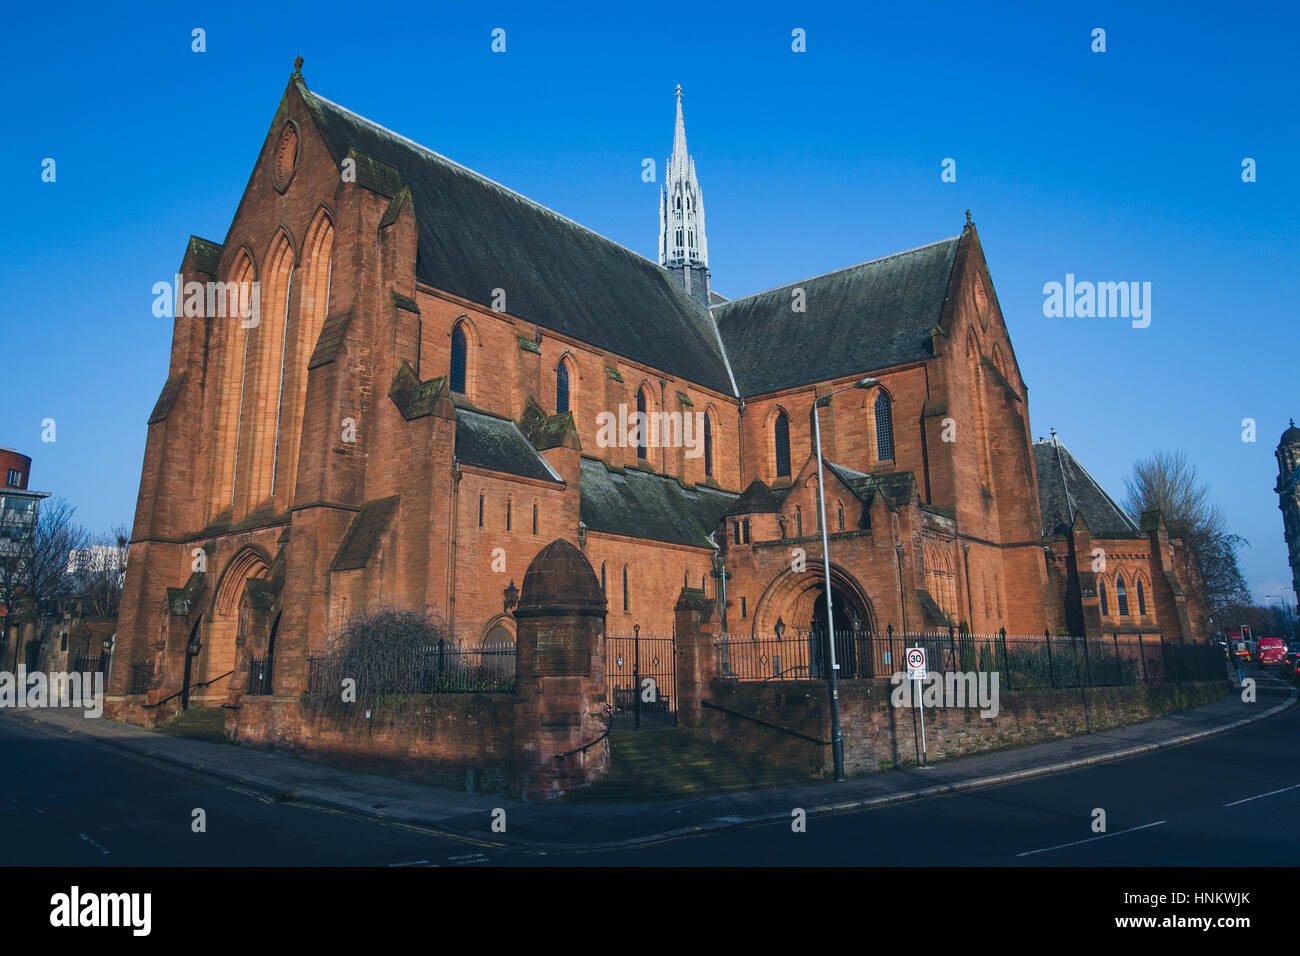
(297, 64)
(679, 91)
(968, 222)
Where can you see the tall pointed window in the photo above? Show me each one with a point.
(642, 425)
(708, 445)
(534, 517)
(884, 429)
(602, 577)
(625, 589)
(459, 359)
(798, 522)
(1142, 599)
(1105, 607)
(561, 388)
(1121, 596)
(781, 433)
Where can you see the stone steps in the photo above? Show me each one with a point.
(667, 763)
(198, 723)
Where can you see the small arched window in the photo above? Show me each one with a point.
(1105, 608)
(625, 599)
(1121, 595)
(459, 359)
(509, 512)
(602, 578)
(534, 517)
(884, 429)
(561, 388)
(642, 425)
(781, 434)
(480, 510)
(840, 516)
(708, 445)
(798, 522)
(1142, 599)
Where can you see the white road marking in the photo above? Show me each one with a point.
(1093, 839)
(412, 863)
(1261, 796)
(98, 846)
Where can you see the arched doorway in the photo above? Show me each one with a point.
(793, 609)
(848, 621)
(215, 663)
(497, 651)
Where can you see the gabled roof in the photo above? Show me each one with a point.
(896, 487)
(476, 236)
(1066, 490)
(758, 498)
(859, 319)
(641, 505)
(497, 444)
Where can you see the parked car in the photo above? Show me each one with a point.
(1289, 668)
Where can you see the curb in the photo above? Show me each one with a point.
(481, 838)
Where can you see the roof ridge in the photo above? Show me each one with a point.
(1060, 445)
(823, 275)
(485, 179)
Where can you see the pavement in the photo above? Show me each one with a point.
(564, 826)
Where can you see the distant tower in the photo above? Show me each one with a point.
(683, 249)
(1288, 497)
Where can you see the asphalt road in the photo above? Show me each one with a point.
(1229, 800)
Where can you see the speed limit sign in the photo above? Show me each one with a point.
(916, 663)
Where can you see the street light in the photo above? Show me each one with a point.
(837, 734)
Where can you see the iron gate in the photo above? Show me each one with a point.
(641, 679)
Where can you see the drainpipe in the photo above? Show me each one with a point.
(451, 547)
(902, 594)
(970, 606)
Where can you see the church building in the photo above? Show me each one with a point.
(434, 377)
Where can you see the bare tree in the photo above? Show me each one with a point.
(34, 552)
(1168, 481)
(98, 571)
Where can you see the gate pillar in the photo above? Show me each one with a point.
(559, 676)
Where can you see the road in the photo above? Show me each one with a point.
(1228, 800)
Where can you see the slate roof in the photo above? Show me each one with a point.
(859, 319)
(1065, 489)
(476, 236)
(897, 487)
(758, 498)
(641, 505)
(497, 444)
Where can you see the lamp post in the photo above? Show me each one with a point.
(837, 734)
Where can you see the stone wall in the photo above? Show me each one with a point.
(878, 736)
(430, 738)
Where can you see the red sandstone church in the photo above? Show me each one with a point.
(423, 402)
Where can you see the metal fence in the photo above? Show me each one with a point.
(443, 668)
(141, 678)
(259, 675)
(641, 679)
(1021, 661)
(92, 663)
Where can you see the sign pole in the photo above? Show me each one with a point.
(916, 668)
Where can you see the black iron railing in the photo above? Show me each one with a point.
(442, 668)
(88, 663)
(1021, 661)
(259, 675)
(141, 678)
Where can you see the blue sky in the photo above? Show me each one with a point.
(1115, 166)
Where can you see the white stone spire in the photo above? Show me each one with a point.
(681, 206)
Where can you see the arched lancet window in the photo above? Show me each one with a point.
(480, 510)
(1142, 599)
(884, 429)
(1105, 607)
(708, 445)
(509, 512)
(798, 522)
(459, 359)
(561, 388)
(602, 578)
(625, 599)
(534, 517)
(642, 424)
(1121, 595)
(839, 508)
(781, 433)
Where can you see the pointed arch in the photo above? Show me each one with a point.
(1141, 595)
(317, 267)
(781, 443)
(644, 408)
(1121, 595)
(1105, 606)
(232, 340)
(260, 417)
(459, 372)
(708, 443)
(883, 415)
(979, 421)
(565, 379)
